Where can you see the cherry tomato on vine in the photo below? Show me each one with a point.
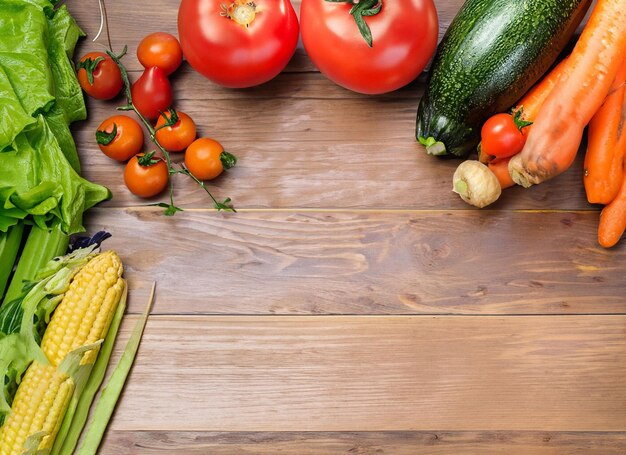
(238, 43)
(369, 46)
(146, 176)
(152, 93)
(99, 76)
(162, 50)
(120, 137)
(503, 135)
(179, 135)
(206, 159)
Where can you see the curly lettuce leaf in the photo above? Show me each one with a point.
(64, 34)
(39, 182)
(40, 96)
(24, 53)
(11, 108)
(69, 103)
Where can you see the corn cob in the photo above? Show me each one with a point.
(85, 314)
(39, 406)
(81, 319)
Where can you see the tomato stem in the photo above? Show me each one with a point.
(148, 159)
(90, 65)
(243, 12)
(519, 122)
(104, 137)
(361, 9)
(228, 160)
(170, 209)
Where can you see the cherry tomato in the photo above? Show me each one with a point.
(179, 136)
(152, 93)
(502, 137)
(206, 159)
(238, 43)
(162, 50)
(99, 76)
(146, 176)
(403, 35)
(120, 137)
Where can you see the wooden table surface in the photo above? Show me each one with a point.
(354, 304)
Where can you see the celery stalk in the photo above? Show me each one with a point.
(41, 246)
(78, 412)
(9, 246)
(112, 390)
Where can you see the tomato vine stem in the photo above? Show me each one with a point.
(361, 9)
(171, 208)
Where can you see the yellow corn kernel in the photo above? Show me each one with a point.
(39, 406)
(85, 313)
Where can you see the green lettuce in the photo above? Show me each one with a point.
(39, 98)
(69, 104)
(37, 181)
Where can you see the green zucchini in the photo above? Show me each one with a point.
(492, 53)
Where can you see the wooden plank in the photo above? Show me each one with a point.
(430, 262)
(396, 443)
(130, 21)
(407, 373)
(301, 151)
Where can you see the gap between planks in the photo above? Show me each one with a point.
(150, 208)
(481, 442)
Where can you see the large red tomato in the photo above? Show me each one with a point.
(238, 43)
(370, 46)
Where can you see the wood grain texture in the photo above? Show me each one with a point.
(363, 443)
(345, 215)
(377, 373)
(438, 262)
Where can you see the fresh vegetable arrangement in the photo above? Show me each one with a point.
(492, 53)
(42, 193)
(540, 136)
(120, 137)
(477, 187)
(59, 312)
(56, 340)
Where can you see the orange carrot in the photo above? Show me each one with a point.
(530, 105)
(613, 219)
(606, 142)
(590, 70)
(500, 168)
(536, 96)
(477, 185)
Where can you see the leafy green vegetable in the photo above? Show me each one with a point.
(41, 246)
(70, 105)
(11, 108)
(9, 246)
(24, 53)
(39, 182)
(43, 97)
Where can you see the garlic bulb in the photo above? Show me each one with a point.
(476, 184)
